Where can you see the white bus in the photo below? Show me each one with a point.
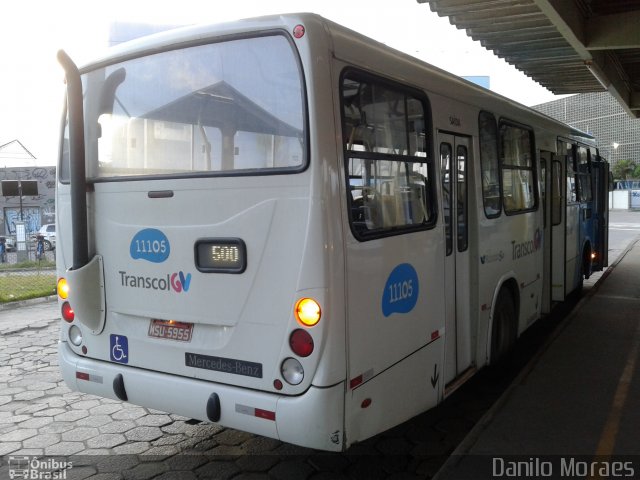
(286, 228)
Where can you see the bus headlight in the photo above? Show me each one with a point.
(75, 335)
(292, 371)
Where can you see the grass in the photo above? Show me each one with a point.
(29, 265)
(25, 285)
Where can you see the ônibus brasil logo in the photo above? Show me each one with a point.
(172, 282)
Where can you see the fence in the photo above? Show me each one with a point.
(625, 199)
(24, 276)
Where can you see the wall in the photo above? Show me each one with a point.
(37, 210)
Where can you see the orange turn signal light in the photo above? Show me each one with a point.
(308, 312)
(63, 288)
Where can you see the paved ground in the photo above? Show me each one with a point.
(106, 439)
(576, 409)
(40, 416)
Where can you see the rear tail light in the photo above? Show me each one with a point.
(67, 312)
(308, 312)
(301, 343)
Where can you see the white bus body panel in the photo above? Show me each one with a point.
(314, 419)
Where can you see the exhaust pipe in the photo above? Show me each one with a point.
(77, 162)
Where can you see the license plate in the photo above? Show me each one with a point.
(171, 330)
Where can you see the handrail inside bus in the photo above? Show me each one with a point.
(78, 177)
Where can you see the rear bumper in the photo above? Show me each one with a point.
(314, 419)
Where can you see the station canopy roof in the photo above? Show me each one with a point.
(568, 46)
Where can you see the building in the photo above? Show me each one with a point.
(17, 163)
(617, 133)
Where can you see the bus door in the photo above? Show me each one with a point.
(601, 213)
(557, 193)
(454, 165)
(547, 205)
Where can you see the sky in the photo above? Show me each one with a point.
(32, 82)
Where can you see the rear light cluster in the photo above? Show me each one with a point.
(308, 313)
(75, 334)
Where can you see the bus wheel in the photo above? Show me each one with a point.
(504, 331)
(586, 263)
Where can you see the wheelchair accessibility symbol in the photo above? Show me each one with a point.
(119, 348)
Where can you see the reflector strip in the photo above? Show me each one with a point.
(88, 377)
(266, 414)
(436, 334)
(256, 412)
(360, 379)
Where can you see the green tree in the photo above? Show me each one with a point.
(624, 169)
(636, 171)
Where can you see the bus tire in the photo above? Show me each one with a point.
(504, 330)
(586, 262)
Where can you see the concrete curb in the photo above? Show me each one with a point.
(26, 303)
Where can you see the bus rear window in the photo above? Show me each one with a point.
(224, 108)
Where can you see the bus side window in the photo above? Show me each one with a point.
(490, 166)
(583, 174)
(385, 143)
(518, 170)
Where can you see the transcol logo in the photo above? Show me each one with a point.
(524, 249)
(172, 282)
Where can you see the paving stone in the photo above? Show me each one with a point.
(129, 414)
(44, 386)
(257, 463)
(84, 404)
(258, 444)
(18, 418)
(95, 451)
(71, 416)
(29, 452)
(143, 433)
(106, 476)
(291, 470)
(163, 450)
(168, 440)
(36, 422)
(185, 462)
(32, 409)
(58, 427)
(232, 437)
(95, 421)
(80, 434)
(28, 395)
(64, 448)
(115, 463)
(329, 462)
(49, 412)
(181, 475)
(80, 473)
(19, 435)
(41, 441)
(154, 420)
(8, 447)
(145, 471)
(119, 426)
(107, 440)
(218, 470)
(132, 448)
(178, 427)
(107, 409)
(9, 390)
